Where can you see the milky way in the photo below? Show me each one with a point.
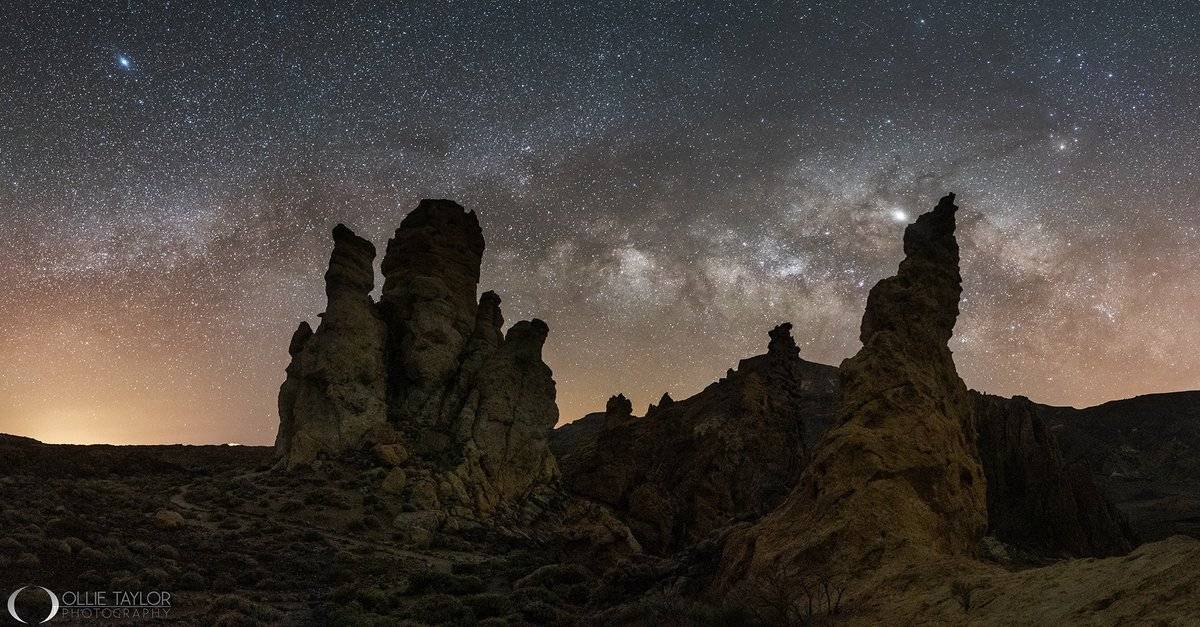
(660, 182)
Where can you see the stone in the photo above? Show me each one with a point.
(619, 406)
(395, 481)
(1144, 452)
(1037, 501)
(335, 391)
(419, 528)
(664, 401)
(391, 454)
(431, 273)
(168, 519)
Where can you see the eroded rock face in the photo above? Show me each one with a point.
(430, 275)
(1145, 452)
(425, 379)
(335, 392)
(897, 481)
(1036, 500)
(692, 466)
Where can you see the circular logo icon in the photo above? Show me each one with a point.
(12, 604)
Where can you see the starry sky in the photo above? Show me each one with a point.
(661, 182)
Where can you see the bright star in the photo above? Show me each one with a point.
(124, 61)
(899, 215)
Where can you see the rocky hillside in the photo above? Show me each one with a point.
(1037, 500)
(896, 483)
(889, 515)
(681, 471)
(1145, 452)
(692, 466)
(424, 378)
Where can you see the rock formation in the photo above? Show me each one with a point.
(425, 378)
(1036, 501)
(1144, 452)
(695, 465)
(896, 482)
(335, 393)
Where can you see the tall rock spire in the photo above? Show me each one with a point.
(430, 274)
(335, 394)
(897, 480)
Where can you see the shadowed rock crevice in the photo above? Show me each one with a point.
(1036, 500)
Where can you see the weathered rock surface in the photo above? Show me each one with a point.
(890, 510)
(425, 379)
(1157, 584)
(896, 482)
(1036, 501)
(335, 390)
(1144, 452)
(694, 465)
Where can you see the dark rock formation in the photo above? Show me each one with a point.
(1036, 501)
(897, 481)
(664, 401)
(425, 379)
(695, 465)
(1144, 452)
(335, 390)
(619, 407)
(431, 273)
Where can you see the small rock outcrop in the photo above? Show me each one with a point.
(693, 466)
(618, 407)
(896, 481)
(424, 379)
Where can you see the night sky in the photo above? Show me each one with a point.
(661, 182)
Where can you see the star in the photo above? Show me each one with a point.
(646, 188)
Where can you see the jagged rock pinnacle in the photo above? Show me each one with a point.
(334, 394)
(782, 344)
(897, 480)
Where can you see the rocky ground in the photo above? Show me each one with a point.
(237, 543)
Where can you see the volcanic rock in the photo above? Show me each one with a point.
(335, 392)
(1036, 501)
(425, 379)
(619, 407)
(731, 451)
(1144, 452)
(897, 481)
